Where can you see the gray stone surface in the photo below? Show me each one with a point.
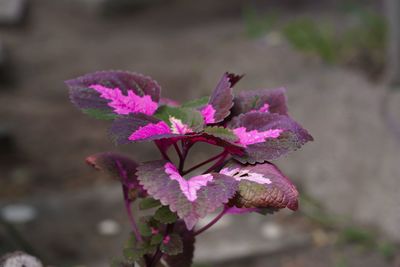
(12, 11)
(63, 220)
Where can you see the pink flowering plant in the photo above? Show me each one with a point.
(251, 128)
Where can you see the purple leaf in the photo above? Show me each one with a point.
(185, 258)
(119, 167)
(261, 186)
(140, 127)
(221, 100)
(117, 91)
(263, 100)
(191, 198)
(267, 136)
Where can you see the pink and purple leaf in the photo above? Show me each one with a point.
(191, 198)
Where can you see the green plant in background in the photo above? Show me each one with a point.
(361, 44)
(257, 24)
(304, 34)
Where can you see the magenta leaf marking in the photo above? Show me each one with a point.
(139, 127)
(264, 108)
(188, 187)
(253, 137)
(86, 98)
(126, 104)
(221, 99)
(262, 186)
(264, 100)
(282, 135)
(214, 194)
(150, 130)
(208, 113)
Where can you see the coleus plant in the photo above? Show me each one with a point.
(251, 128)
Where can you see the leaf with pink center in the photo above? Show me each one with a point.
(114, 92)
(181, 120)
(221, 100)
(261, 186)
(267, 136)
(119, 167)
(139, 128)
(191, 198)
(263, 100)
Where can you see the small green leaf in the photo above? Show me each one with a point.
(100, 114)
(131, 242)
(165, 215)
(149, 203)
(134, 254)
(156, 239)
(144, 229)
(196, 103)
(172, 245)
(188, 116)
(221, 132)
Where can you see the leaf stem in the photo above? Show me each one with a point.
(162, 151)
(214, 221)
(204, 162)
(135, 228)
(218, 164)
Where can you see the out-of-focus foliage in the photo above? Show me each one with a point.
(360, 43)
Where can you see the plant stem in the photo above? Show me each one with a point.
(214, 221)
(135, 229)
(163, 153)
(218, 163)
(204, 162)
(181, 157)
(158, 254)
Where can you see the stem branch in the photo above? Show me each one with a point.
(204, 162)
(135, 228)
(214, 221)
(218, 163)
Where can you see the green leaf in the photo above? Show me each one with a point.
(144, 229)
(173, 246)
(131, 242)
(149, 203)
(165, 215)
(156, 239)
(100, 114)
(190, 117)
(134, 254)
(221, 132)
(196, 103)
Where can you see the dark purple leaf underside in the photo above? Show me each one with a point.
(86, 98)
(118, 166)
(292, 137)
(210, 197)
(253, 100)
(184, 259)
(222, 97)
(278, 192)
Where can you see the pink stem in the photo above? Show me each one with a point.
(135, 228)
(214, 221)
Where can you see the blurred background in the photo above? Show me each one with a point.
(338, 59)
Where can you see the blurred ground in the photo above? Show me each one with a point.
(186, 46)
